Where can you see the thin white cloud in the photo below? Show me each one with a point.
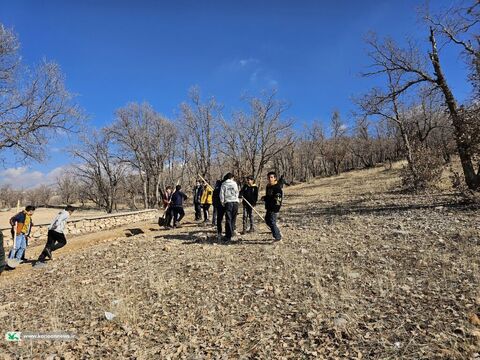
(237, 65)
(24, 178)
(262, 78)
(252, 69)
(246, 62)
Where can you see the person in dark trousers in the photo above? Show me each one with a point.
(249, 193)
(206, 201)
(178, 197)
(197, 200)
(167, 215)
(22, 222)
(273, 201)
(229, 199)
(56, 235)
(282, 182)
(218, 210)
(2, 254)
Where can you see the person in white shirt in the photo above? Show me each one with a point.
(229, 200)
(56, 237)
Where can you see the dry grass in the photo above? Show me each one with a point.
(364, 271)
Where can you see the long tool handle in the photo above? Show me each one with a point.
(261, 217)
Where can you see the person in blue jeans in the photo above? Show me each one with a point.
(273, 202)
(22, 222)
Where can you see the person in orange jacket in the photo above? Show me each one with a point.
(22, 222)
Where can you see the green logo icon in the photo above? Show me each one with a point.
(13, 336)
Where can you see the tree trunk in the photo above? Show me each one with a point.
(472, 179)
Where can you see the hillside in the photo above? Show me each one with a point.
(364, 271)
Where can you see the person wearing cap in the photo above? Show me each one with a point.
(249, 194)
(56, 235)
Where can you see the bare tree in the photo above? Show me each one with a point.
(459, 25)
(9, 196)
(39, 196)
(408, 68)
(337, 146)
(34, 105)
(259, 135)
(100, 172)
(201, 121)
(362, 144)
(67, 186)
(146, 140)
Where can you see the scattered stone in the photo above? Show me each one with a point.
(109, 316)
(340, 322)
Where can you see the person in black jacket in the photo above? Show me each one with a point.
(273, 201)
(197, 197)
(176, 203)
(249, 192)
(216, 201)
(218, 209)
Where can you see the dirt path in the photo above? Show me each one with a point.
(78, 243)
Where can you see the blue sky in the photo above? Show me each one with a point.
(114, 52)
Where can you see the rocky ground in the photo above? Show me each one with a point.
(364, 271)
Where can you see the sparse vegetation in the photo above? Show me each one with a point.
(364, 271)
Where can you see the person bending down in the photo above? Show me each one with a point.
(178, 197)
(56, 237)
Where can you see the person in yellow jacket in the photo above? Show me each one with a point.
(21, 226)
(206, 201)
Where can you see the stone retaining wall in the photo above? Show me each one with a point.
(90, 224)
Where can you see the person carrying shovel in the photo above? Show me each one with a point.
(166, 218)
(21, 227)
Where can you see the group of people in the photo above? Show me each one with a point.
(225, 197)
(21, 226)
